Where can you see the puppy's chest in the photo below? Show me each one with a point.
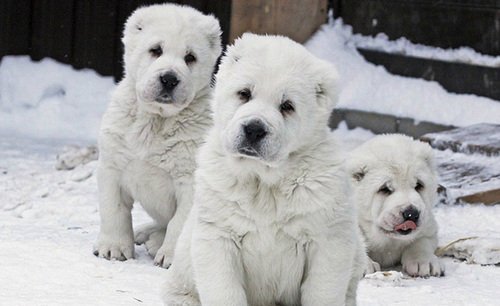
(272, 257)
(168, 145)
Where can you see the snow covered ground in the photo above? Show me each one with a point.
(49, 219)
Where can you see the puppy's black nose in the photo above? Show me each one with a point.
(254, 131)
(411, 214)
(169, 81)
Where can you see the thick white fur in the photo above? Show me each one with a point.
(278, 229)
(147, 148)
(398, 162)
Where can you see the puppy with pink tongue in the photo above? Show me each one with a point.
(407, 225)
(394, 181)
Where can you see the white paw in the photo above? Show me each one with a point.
(155, 241)
(424, 266)
(164, 256)
(110, 248)
(371, 267)
(143, 233)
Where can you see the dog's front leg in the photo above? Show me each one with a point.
(328, 272)
(184, 195)
(371, 266)
(116, 236)
(217, 267)
(418, 259)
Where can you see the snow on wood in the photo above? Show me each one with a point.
(480, 138)
(468, 178)
(468, 163)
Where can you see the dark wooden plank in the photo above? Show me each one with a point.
(446, 24)
(256, 16)
(468, 79)
(15, 27)
(200, 5)
(300, 24)
(479, 138)
(336, 6)
(95, 27)
(125, 8)
(486, 197)
(377, 123)
(383, 123)
(284, 17)
(53, 30)
(416, 129)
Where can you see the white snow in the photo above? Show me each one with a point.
(381, 42)
(371, 88)
(49, 219)
(385, 279)
(477, 250)
(50, 100)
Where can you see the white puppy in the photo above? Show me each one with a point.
(157, 118)
(272, 223)
(395, 184)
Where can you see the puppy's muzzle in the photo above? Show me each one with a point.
(168, 81)
(410, 216)
(254, 132)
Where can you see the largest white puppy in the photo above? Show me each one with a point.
(156, 120)
(271, 223)
(395, 184)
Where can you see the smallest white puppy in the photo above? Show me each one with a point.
(395, 183)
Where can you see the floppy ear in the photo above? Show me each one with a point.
(213, 32)
(327, 89)
(133, 27)
(427, 154)
(235, 51)
(231, 56)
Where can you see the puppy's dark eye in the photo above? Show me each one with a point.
(286, 107)
(189, 58)
(385, 190)
(156, 51)
(419, 187)
(245, 95)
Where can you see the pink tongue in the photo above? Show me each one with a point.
(406, 225)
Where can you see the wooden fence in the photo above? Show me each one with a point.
(83, 33)
(445, 24)
(87, 33)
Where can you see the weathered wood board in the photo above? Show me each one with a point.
(480, 138)
(468, 178)
(293, 18)
(468, 161)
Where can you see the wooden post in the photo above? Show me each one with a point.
(297, 19)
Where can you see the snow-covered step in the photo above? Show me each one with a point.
(468, 163)
(480, 138)
(455, 43)
(474, 79)
(380, 123)
(468, 178)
